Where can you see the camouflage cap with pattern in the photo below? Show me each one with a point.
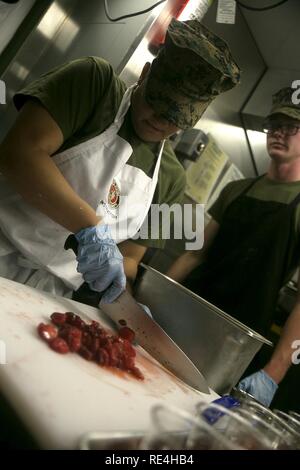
(283, 104)
(192, 68)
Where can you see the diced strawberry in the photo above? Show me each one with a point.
(64, 330)
(115, 354)
(85, 353)
(137, 373)
(127, 333)
(87, 339)
(70, 317)
(47, 332)
(128, 363)
(91, 341)
(78, 322)
(103, 357)
(75, 320)
(74, 339)
(128, 348)
(95, 345)
(59, 345)
(58, 318)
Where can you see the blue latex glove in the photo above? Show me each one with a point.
(146, 309)
(100, 261)
(260, 385)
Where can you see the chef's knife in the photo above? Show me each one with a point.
(126, 311)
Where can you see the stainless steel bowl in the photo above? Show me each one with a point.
(218, 344)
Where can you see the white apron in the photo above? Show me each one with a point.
(32, 245)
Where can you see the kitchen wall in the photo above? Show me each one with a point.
(71, 29)
(223, 119)
(68, 30)
(11, 17)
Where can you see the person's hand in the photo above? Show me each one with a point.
(260, 385)
(100, 261)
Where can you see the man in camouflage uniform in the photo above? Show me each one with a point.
(78, 136)
(252, 246)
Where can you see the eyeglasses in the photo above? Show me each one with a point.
(269, 127)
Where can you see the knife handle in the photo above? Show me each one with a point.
(84, 294)
(72, 243)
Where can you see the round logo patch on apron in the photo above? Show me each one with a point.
(114, 195)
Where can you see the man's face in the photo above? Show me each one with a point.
(283, 138)
(148, 126)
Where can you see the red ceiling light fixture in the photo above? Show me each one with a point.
(157, 32)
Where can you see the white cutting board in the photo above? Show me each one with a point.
(62, 397)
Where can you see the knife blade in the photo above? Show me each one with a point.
(149, 335)
(126, 311)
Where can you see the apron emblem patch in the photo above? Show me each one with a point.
(114, 195)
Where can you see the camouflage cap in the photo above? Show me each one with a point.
(283, 103)
(192, 68)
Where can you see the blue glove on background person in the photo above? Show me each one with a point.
(100, 261)
(260, 385)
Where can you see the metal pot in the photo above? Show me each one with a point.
(219, 345)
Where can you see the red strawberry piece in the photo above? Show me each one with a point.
(127, 333)
(70, 317)
(58, 318)
(85, 353)
(75, 344)
(47, 332)
(59, 345)
(137, 373)
(74, 339)
(103, 341)
(128, 349)
(103, 357)
(78, 322)
(64, 331)
(91, 342)
(115, 354)
(95, 345)
(129, 363)
(87, 339)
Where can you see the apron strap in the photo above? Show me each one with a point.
(296, 201)
(252, 183)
